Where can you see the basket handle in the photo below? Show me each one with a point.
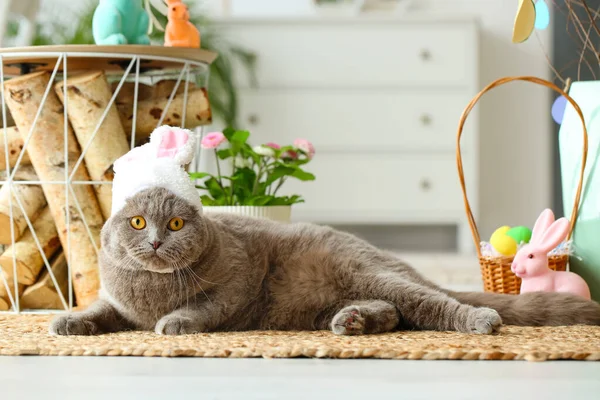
(461, 175)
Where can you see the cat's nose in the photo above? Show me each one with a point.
(156, 245)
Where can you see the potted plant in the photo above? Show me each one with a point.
(249, 179)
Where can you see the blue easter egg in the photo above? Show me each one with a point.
(542, 15)
(558, 109)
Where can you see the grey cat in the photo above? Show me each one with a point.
(165, 267)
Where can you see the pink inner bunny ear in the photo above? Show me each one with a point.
(544, 221)
(171, 142)
(554, 235)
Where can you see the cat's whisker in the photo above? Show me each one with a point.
(194, 276)
(203, 280)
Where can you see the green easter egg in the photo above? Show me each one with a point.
(521, 234)
(503, 243)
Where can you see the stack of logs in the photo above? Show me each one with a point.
(88, 95)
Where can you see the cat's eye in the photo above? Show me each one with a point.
(175, 224)
(138, 223)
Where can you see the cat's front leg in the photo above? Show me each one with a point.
(182, 322)
(209, 311)
(100, 317)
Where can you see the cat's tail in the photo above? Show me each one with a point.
(536, 309)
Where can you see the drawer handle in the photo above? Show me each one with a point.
(425, 185)
(425, 55)
(253, 119)
(426, 119)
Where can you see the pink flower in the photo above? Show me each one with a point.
(306, 146)
(212, 140)
(290, 154)
(273, 145)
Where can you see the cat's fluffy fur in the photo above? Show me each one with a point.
(227, 272)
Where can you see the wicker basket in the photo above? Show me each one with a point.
(495, 271)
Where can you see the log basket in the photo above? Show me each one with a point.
(495, 271)
(68, 112)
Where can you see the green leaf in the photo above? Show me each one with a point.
(259, 200)
(229, 132)
(224, 154)
(198, 175)
(238, 140)
(279, 172)
(247, 176)
(303, 175)
(207, 200)
(240, 137)
(285, 201)
(214, 189)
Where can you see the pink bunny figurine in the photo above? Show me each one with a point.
(531, 262)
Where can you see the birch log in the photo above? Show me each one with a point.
(15, 145)
(33, 200)
(149, 112)
(43, 294)
(127, 93)
(88, 95)
(46, 151)
(24, 173)
(161, 89)
(29, 259)
(5, 303)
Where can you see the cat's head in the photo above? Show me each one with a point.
(156, 231)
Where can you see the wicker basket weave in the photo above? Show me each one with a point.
(495, 271)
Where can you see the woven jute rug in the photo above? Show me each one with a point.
(27, 335)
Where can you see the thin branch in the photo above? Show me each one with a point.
(592, 20)
(579, 25)
(583, 53)
(548, 60)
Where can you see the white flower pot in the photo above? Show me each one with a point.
(275, 213)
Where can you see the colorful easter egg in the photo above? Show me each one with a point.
(503, 243)
(524, 21)
(558, 109)
(542, 15)
(521, 234)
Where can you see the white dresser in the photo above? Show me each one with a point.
(381, 100)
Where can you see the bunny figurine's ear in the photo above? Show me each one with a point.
(543, 222)
(554, 235)
(174, 143)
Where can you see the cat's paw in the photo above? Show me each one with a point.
(73, 324)
(177, 325)
(348, 321)
(483, 321)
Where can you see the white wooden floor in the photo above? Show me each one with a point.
(156, 378)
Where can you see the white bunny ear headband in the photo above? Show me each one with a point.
(157, 164)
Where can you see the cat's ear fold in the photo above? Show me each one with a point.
(175, 143)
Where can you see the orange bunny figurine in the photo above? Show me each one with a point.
(180, 32)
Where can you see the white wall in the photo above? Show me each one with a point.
(515, 119)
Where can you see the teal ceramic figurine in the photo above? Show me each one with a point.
(120, 22)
